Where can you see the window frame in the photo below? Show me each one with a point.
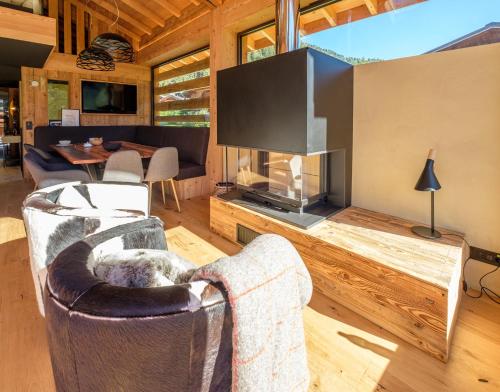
(156, 66)
(303, 10)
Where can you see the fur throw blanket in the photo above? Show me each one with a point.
(267, 285)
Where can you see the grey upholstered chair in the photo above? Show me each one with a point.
(43, 177)
(58, 216)
(164, 166)
(124, 166)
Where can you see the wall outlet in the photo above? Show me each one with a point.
(485, 256)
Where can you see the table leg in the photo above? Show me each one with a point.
(91, 171)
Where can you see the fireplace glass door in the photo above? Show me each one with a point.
(292, 180)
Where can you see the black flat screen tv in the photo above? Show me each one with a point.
(110, 98)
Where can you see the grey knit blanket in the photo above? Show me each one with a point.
(268, 285)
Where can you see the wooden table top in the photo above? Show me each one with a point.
(77, 154)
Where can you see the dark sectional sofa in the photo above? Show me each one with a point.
(191, 143)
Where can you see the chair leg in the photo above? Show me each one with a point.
(163, 191)
(150, 186)
(175, 194)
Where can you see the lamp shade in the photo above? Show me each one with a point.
(117, 47)
(94, 59)
(428, 180)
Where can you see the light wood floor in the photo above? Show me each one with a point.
(346, 352)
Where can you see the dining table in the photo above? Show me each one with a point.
(91, 157)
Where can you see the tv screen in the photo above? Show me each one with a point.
(99, 97)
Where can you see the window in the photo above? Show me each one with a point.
(58, 98)
(376, 30)
(182, 91)
(257, 43)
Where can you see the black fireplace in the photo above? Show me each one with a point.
(291, 118)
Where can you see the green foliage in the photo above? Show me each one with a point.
(259, 54)
(269, 51)
(58, 98)
(350, 60)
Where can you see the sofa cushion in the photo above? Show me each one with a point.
(51, 165)
(45, 155)
(150, 136)
(191, 142)
(141, 268)
(190, 170)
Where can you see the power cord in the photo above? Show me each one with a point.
(483, 289)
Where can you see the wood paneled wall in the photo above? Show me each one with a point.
(34, 100)
(23, 26)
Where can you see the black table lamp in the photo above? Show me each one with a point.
(428, 182)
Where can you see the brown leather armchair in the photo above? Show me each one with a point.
(110, 338)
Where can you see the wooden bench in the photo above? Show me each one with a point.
(374, 265)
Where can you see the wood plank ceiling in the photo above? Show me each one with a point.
(144, 21)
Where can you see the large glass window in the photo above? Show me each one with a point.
(182, 91)
(376, 30)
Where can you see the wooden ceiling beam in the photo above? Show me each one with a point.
(330, 16)
(346, 5)
(265, 34)
(123, 15)
(166, 5)
(208, 3)
(372, 6)
(94, 13)
(145, 11)
(189, 15)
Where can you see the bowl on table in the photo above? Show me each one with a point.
(64, 142)
(111, 146)
(95, 141)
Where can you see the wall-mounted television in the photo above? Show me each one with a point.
(109, 98)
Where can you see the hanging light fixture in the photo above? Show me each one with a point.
(94, 59)
(116, 46)
(105, 50)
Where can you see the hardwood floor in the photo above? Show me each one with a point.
(346, 352)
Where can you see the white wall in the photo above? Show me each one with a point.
(449, 101)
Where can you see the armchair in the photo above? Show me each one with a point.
(61, 215)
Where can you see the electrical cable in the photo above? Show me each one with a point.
(483, 289)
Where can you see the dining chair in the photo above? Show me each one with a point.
(124, 166)
(164, 166)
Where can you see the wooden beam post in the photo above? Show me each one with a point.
(80, 29)
(54, 13)
(223, 43)
(67, 27)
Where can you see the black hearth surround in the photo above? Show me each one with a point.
(191, 143)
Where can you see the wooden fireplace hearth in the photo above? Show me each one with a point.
(374, 265)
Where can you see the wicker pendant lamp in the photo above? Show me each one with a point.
(94, 59)
(116, 46)
(105, 50)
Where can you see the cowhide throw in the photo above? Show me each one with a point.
(143, 268)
